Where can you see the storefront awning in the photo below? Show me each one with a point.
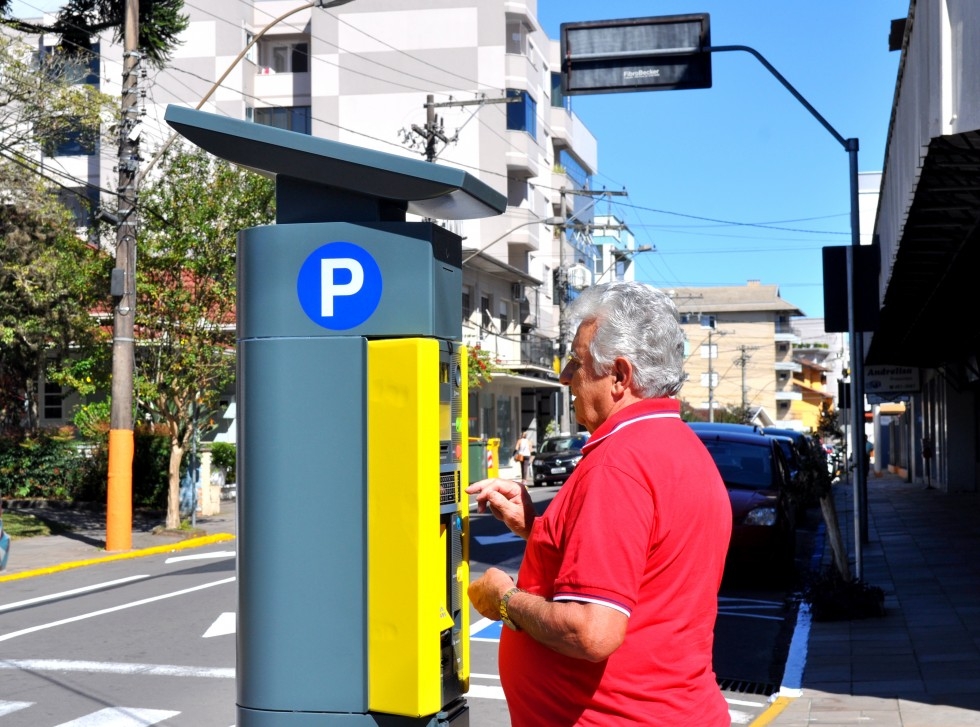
(526, 382)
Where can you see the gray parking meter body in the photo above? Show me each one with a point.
(321, 295)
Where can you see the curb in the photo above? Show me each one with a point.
(130, 554)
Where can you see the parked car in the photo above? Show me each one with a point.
(556, 458)
(757, 477)
(724, 427)
(4, 541)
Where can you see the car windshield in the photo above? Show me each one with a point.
(561, 444)
(740, 464)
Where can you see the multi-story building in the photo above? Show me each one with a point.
(740, 350)
(472, 84)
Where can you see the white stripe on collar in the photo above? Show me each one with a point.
(658, 415)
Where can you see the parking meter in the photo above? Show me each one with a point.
(351, 398)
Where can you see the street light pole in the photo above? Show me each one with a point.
(856, 337)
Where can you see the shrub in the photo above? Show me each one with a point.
(223, 456)
(41, 466)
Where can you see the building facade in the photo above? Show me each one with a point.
(927, 230)
(740, 351)
(471, 84)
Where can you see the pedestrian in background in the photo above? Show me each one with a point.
(611, 621)
(522, 453)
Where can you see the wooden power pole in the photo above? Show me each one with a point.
(119, 507)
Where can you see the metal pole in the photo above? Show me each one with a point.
(856, 337)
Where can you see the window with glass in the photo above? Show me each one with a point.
(292, 118)
(53, 401)
(285, 55)
(517, 36)
(522, 115)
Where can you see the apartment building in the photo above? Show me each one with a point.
(472, 84)
(740, 350)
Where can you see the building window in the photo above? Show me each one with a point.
(292, 118)
(485, 314)
(517, 36)
(72, 142)
(285, 55)
(709, 351)
(53, 401)
(467, 303)
(522, 115)
(558, 99)
(709, 383)
(504, 316)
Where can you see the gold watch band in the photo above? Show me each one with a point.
(504, 601)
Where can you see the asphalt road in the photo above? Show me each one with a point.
(133, 642)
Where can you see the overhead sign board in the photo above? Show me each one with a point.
(638, 54)
(885, 380)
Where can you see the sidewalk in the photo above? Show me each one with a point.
(919, 666)
(85, 541)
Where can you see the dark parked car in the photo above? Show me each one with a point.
(556, 458)
(757, 478)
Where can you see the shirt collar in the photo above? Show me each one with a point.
(640, 411)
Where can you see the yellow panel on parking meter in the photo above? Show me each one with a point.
(418, 644)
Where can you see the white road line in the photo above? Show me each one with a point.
(73, 592)
(482, 691)
(142, 602)
(108, 667)
(745, 703)
(739, 717)
(11, 707)
(792, 684)
(200, 556)
(223, 625)
(480, 625)
(121, 717)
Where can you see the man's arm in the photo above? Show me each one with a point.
(586, 631)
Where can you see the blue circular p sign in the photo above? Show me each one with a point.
(339, 285)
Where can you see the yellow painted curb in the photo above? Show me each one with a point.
(771, 712)
(155, 550)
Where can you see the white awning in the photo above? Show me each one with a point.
(526, 382)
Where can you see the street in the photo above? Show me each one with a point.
(133, 642)
(151, 640)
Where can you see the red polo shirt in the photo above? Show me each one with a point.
(642, 526)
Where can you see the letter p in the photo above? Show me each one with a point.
(330, 290)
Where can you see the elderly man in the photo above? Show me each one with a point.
(611, 621)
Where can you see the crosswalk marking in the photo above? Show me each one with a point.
(10, 707)
(103, 667)
(223, 625)
(121, 717)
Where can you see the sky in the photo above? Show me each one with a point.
(739, 182)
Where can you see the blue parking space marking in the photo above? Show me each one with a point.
(486, 630)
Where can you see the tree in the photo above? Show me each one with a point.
(45, 301)
(79, 21)
(185, 323)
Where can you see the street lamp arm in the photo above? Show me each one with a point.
(543, 221)
(789, 87)
(248, 46)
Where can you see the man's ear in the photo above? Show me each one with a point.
(623, 375)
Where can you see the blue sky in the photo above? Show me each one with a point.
(739, 181)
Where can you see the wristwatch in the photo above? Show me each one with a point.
(504, 616)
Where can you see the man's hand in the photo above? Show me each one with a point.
(487, 590)
(506, 500)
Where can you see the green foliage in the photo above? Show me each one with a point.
(832, 598)
(44, 466)
(151, 454)
(79, 22)
(481, 367)
(223, 455)
(18, 525)
(185, 310)
(92, 421)
(829, 427)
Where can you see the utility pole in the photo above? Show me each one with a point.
(119, 506)
(742, 362)
(434, 128)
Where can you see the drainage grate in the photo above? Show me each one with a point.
(742, 686)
